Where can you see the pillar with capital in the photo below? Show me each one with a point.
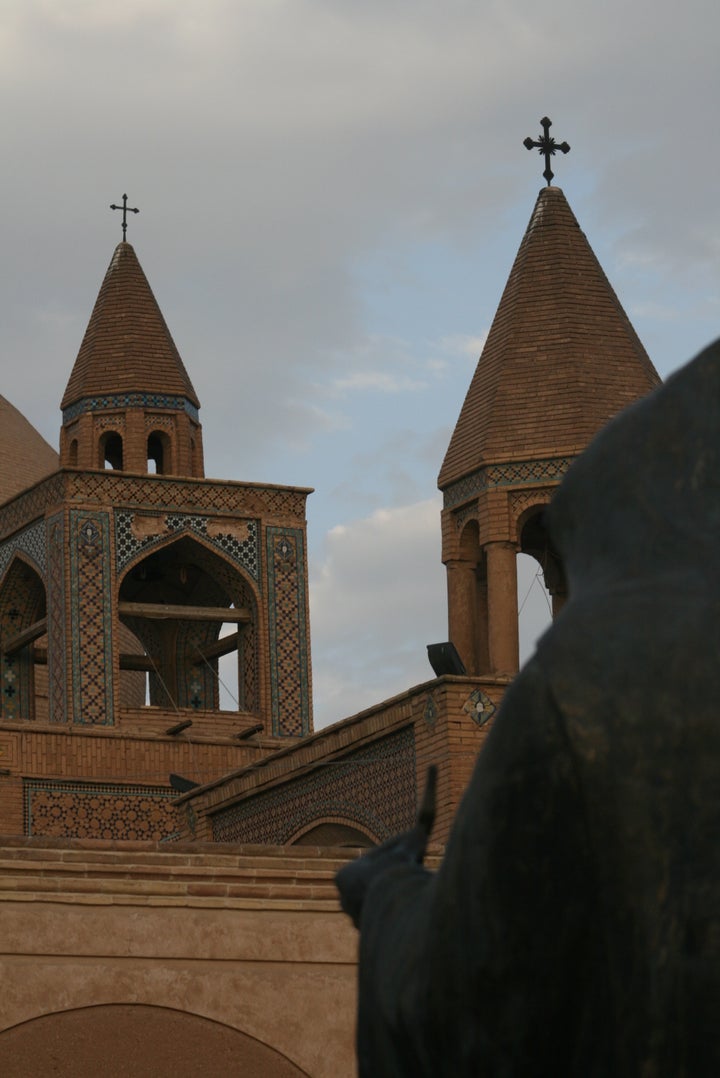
(503, 634)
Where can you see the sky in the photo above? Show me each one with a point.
(331, 194)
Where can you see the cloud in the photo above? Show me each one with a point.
(377, 598)
(379, 382)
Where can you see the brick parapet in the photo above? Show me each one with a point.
(445, 732)
(110, 755)
(91, 488)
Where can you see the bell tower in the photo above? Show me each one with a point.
(561, 359)
(129, 405)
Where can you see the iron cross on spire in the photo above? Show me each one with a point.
(125, 211)
(546, 145)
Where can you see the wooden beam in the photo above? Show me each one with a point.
(176, 612)
(21, 640)
(223, 646)
(137, 662)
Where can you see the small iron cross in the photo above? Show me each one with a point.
(125, 211)
(546, 145)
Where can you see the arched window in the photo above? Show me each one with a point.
(541, 581)
(111, 451)
(158, 453)
(73, 453)
(216, 620)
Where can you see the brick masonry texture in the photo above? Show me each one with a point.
(373, 787)
(560, 359)
(127, 346)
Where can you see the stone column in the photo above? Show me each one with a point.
(462, 611)
(503, 634)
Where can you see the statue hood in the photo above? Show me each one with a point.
(644, 499)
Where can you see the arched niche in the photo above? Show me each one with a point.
(334, 832)
(116, 1040)
(184, 645)
(23, 625)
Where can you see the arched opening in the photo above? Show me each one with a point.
(73, 453)
(134, 689)
(23, 658)
(541, 581)
(189, 609)
(111, 451)
(158, 453)
(468, 600)
(334, 833)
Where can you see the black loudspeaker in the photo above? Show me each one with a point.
(444, 659)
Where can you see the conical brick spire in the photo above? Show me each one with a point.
(127, 346)
(129, 403)
(560, 360)
(561, 357)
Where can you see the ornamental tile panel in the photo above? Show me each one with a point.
(288, 631)
(57, 646)
(509, 474)
(31, 542)
(99, 810)
(91, 617)
(130, 400)
(141, 532)
(374, 787)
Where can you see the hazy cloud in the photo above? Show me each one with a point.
(331, 199)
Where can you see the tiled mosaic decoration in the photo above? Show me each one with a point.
(130, 400)
(30, 542)
(430, 712)
(514, 473)
(190, 680)
(245, 552)
(479, 707)
(31, 505)
(91, 618)
(287, 615)
(22, 602)
(57, 654)
(167, 493)
(374, 787)
(99, 810)
(109, 422)
(522, 500)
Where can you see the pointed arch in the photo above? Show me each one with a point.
(184, 646)
(23, 623)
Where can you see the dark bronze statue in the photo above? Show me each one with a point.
(573, 928)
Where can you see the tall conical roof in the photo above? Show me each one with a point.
(25, 456)
(561, 357)
(127, 347)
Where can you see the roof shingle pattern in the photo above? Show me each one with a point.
(561, 357)
(25, 456)
(127, 346)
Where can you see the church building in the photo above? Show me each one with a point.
(166, 876)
